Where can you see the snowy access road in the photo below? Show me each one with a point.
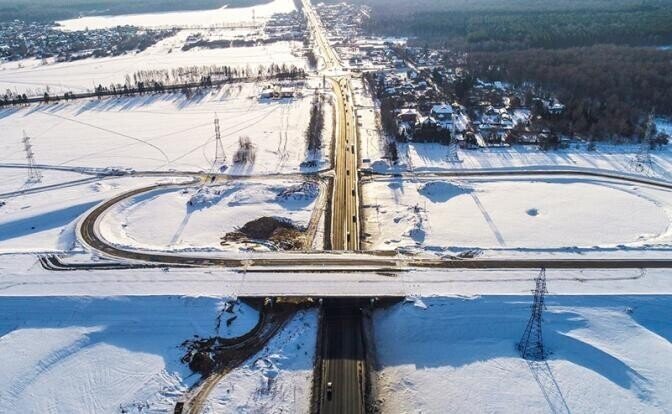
(89, 234)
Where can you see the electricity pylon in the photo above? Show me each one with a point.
(642, 163)
(34, 175)
(531, 345)
(220, 158)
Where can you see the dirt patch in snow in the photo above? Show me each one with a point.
(279, 231)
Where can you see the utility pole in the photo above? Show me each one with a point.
(34, 175)
(531, 345)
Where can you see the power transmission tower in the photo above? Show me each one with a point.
(531, 345)
(453, 156)
(642, 162)
(34, 175)
(220, 157)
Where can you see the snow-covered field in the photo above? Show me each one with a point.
(164, 220)
(206, 18)
(431, 157)
(103, 355)
(278, 379)
(17, 179)
(534, 214)
(434, 157)
(45, 221)
(610, 354)
(33, 77)
(371, 145)
(165, 131)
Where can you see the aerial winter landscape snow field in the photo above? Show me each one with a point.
(205, 18)
(45, 221)
(166, 131)
(426, 157)
(103, 355)
(184, 219)
(458, 355)
(535, 214)
(34, 78)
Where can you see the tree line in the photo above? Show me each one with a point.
(315, 125)
(159, 81)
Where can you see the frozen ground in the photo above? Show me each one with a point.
(45, 221)
(163, 219)
(371, 145)
(17, 179)
(428, 157)
(538, 214)
(609, 354)
(434, 157)
(206, 18)
(165, 131)
(33, 77)
(102, 355)
(278, 379)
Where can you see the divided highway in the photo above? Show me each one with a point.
(345, 200)
(342, 355)
(345, 222)
(342, 359)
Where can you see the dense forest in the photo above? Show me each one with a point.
(507, 24)
(51, 10)
(608, 90)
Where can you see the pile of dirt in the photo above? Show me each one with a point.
(277, 230)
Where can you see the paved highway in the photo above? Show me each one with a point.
(331, 60)
(342, 358)
(345, 222)
(345, 199)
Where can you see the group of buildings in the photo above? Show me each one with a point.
(279, 27)
(278, 91)
(22, 40)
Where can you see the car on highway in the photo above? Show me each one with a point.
(330, 390)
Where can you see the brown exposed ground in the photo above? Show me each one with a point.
(282, 233)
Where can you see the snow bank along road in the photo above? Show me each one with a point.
(334, 261)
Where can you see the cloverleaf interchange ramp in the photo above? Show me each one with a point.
(335, 261)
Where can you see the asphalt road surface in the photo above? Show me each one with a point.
(342, 358)
(345, 199)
